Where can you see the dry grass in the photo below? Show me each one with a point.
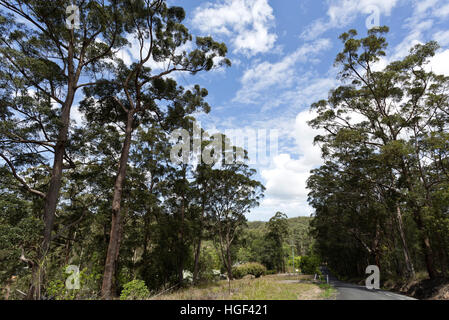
(264, 288)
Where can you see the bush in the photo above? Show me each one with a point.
(253, 268)
(88, 289)
(309, 264)
(134, 290)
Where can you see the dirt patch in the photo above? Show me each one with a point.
(291, 281)
(311, 294)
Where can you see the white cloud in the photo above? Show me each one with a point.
(429, 8)
(286, 179)
(442, 12)
(440, 63)
(282, 74)
(247, 23)
(76, 115)
(442, 37)
(421, 27)
(415, 37)
(342, 13)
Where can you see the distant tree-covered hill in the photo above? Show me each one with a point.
(270, 243)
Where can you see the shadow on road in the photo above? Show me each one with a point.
(349, 291)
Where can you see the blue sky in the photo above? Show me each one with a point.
(282, 54)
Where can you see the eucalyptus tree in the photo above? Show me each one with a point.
(395, 112)
(351, 220)
(235, 193)
(145, 96)
(202, 198)
(277, 233)
(45, 61)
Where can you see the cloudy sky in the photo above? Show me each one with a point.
(282, 54)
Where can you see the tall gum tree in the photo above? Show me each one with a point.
(395, 112)
(45, 63)
(148, 96)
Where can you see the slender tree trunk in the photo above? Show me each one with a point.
(51, 199)
(442, 256)
(425, 245)
(228, 257)
(424, 238)
(181, 240)
(429, 257)
(197, 261)
(115, 234)
(147, 221)
(52, 195)
(198, 251)
(34, 292)
(408, 262)
(375, 246)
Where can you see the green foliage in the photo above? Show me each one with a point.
(89, 286)
(209, 263)
(378, 197)
(135, 290)
(309, 264)
(250, 268)
(277, 232)
(273, 249)
(297, 262)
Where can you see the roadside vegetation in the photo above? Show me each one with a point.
(265, 288)
(382, 196)
(115, 197)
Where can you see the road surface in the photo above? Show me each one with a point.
(349, 291)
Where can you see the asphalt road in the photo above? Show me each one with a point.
(349, 291)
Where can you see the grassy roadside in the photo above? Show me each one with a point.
(271, 287)
(329, 292)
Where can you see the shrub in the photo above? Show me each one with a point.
(253, 268)
(309, 264)
(134, 290)
(89, 286)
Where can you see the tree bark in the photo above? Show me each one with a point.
(180, 245)
(425, 245)
(115, 234)
(408, 262)
(51, 199)
(228, 257)
(229, 264)
(52, 195)
(198, 251)
(424, 238)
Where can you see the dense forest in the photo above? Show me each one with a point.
(139, 192)
(275, 243)
(382, 196)
(114, 196)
